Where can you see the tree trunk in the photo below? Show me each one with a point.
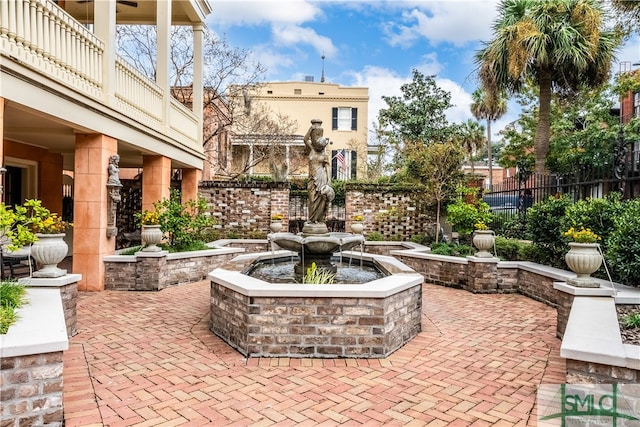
(541, 141)
(490, 154)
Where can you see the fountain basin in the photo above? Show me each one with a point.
(369, 320)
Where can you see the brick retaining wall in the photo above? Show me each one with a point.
(32, 390)
(153, 271)
(579, 372)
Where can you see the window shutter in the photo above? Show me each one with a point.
(334, 118)
(334, 164)
(354, 119)
(354, 163)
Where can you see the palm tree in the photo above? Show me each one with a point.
(472, 139)
(558, 44)
(489, 108)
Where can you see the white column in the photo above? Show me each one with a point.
(198, 75)
(163, 27)
(105, 30)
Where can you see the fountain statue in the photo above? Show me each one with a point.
(316, 243)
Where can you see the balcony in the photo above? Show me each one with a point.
(59, 79)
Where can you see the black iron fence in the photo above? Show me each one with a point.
(515, 195)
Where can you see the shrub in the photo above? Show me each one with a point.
(464, 216)
(510, 249)
(452, 249)
(185, 223)
(623, 245)
(546, 225)
(375, 236)
(597, 215)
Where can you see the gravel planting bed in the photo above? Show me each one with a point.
(629, 335)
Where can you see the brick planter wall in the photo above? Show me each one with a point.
(153, 271)
(579, 372)
(32, 390)
(315, 326)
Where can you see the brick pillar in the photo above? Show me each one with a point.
(190, 180)
(90, 242)
(156, 180)
(280, 203)
(482, 274)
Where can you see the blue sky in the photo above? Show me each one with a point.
(369, 43)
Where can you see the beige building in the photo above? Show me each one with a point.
(344, 115)
(69, 105)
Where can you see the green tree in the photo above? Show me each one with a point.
(558, 44)
(416, 117)
(438, 166)
(489, 108)
(471, 137)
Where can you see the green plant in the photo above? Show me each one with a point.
(510, 249)
(130, 251)
(318, 276)
(12, 296)
(357, 218)
(19, 224)
(584, 235)
(464, 216)
(184, 223)
(276, 217)
(597, 215)
(631, 320)
(623, 245)
(375, 236)
(452, 249)
(147, 218)
(545, 225)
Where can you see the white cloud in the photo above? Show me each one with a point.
(456, 22)
(252, 12)
(292, 35)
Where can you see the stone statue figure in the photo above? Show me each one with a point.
(114, 170)
(320, 192)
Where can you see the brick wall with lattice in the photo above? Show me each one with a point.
(244, 209)
(395, 214)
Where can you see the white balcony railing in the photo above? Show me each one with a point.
(43, 37)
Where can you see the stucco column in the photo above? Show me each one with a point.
(90, 242)
(163, 31)
(190, 181)
(50, 182)
(105, 30)
(156, 180)
(198, 75)
(2, 170)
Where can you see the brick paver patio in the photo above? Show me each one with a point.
(148, 359)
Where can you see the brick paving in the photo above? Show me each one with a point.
(148, 359)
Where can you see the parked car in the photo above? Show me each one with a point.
(502, 203)
(508, 203)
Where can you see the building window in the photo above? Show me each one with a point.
(344, 164)
(297, 91)
(344, 118)
(636, 104)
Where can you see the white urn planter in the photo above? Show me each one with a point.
(484, 241)
(275, 226)
(48, 251)
(584, 259)
(357, 227)
(151, 235)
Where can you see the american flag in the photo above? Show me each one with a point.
(342, 163)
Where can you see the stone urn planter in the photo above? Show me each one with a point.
(48, 251)
(151, 235)
(583, 259)
(275, 226)
(357, 227)
(484, 241)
